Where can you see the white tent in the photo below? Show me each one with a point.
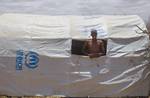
(35, 56)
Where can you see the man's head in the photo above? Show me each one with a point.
(94, 34)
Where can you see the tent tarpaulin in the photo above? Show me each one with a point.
(35, 56)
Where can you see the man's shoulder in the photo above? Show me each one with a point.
(89, 40)
(100, 41)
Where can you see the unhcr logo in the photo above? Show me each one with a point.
(30, 59)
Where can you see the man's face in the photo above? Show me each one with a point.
(94, 35)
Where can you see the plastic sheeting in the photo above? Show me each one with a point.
(36, 33)
(77, 7)
(35, 56)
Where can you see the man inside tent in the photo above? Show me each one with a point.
(94, 48)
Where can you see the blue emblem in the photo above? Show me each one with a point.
(30, 59)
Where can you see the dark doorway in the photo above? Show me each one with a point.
(77, 46)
